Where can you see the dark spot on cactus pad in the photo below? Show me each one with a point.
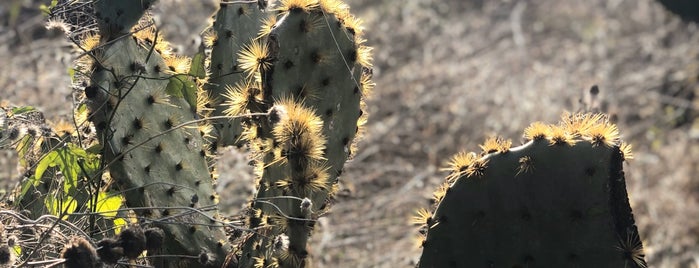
(159, 147)
(356, 90)
(351, 30)
(528, 259)
(147, 169)
(219, 66)
(572, 257)
(241, 11)
(288, 64)
(171, 191)
(325, 82)
(179, 166)
(137, 67)
(212, 197)
(329, 112)
(345, 141)
(91, 91)
(192, 229)
(137, 123)
(101, 125)
(121, 156)
(156, 69)
(197, 183)
(594, 90)
(169, 123)
(590, 171)
(186, 140)
(315, 57)
(443, 219)
(126, 140)
(150, 99)
(575, 215)
(352, 54)
(452, 263)
(202, 153)
(165, 213)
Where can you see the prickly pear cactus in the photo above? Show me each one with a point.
(139, 108)
(236, 24)
(557, 201)
(310, 72)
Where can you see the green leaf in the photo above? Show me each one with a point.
(119, 223)
(107, 205)
(71, 74)
(59, 207)
(198, 67)
(181, 86)
(174, 87)
(49, 160)
(23, 109)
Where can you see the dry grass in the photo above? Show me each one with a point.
(449, 74)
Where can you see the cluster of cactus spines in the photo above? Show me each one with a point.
(309, 70)
(557, 201)
(156, 159)
(235, 25)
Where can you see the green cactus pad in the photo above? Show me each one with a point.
(311, 60)
(160, 168)
(543, 204)
(235, 25)
(116, 17)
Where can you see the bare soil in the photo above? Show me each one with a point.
(449, 74)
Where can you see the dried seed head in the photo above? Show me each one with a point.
(133, 241)
(154, 238)
(79, 253)
(6, 256)
(109, 250)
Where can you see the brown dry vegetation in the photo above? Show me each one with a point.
(449, 74)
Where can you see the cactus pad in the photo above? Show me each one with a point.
(558, 201)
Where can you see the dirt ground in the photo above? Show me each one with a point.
(449, 74)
